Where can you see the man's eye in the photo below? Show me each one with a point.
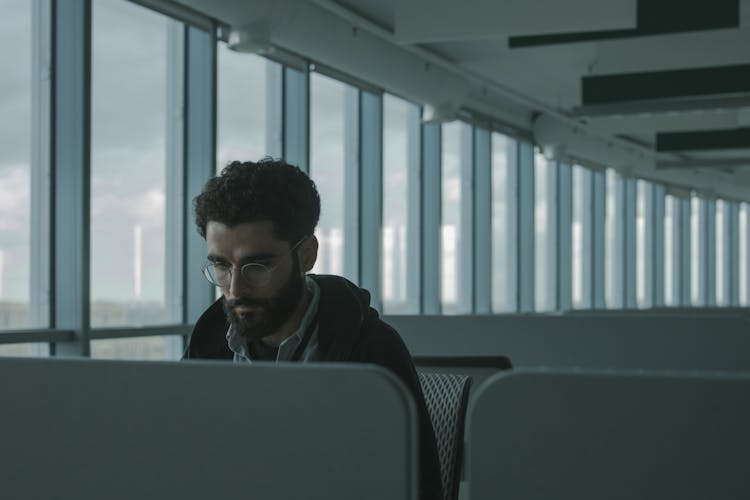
(221, 266)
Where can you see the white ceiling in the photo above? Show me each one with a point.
(465, 46)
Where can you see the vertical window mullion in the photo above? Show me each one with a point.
(352, 229)
(430, 222)
(598, 238)
(684, 268)
(710, 252)
(564, 237)
(615, 246)
(296, 122)
(658, 195)
(370, 193)
(733, 231)
(174, 216)
(525, 226)
(200, 158)
(465, 244)
(71, 174)
(274, 109)
(40, 230)
(414, 223)
(482, 222)
(629, 243)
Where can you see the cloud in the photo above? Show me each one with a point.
(15, 190)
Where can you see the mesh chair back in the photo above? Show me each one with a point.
(447, 397)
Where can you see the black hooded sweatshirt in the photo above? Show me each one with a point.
(349, 330)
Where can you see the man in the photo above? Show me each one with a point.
(258, 220)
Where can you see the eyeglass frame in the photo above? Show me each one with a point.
(269, 270)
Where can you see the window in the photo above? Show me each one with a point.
(24, 350)
(24, 187)
(722, 253)
(672, 276)
(697, 252)
(504, 231)
(644, 244)
(400, 158)
(455, 228)
(146, 348)
(582, 261)
(614, 263)
(333, 147)
(744, 256)
(242, 103)
(129, 155)
(545, 233)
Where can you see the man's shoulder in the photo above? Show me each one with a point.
(208, 339)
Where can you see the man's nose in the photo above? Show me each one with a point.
(237, 284)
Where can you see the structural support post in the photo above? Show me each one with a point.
(657, 245)
(482, 225)
(71, 174)
(200, 158)
(525, 225)
(733, 253)
(684, 244)
(431, 218)
(564, 230)
(296, 126)
(629, 243)
(598, 238)
(710, 252)
(370, 193)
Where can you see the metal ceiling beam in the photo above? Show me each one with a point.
(738, 138)
(707, 163)
(727, 81)
(651, 106)
(654, 17)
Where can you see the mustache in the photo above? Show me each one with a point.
(245, 301)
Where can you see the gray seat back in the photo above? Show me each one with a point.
(619, 435)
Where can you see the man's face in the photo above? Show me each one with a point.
(256, 312)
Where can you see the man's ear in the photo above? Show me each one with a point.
(308, 253)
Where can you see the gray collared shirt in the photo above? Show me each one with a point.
(288, 347)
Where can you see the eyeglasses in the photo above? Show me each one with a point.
(254, 274)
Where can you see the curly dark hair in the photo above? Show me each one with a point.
(267, 190)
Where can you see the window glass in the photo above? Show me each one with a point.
(23, 224)
(671, 242)
(129, 116)
(504, 232)
(24, 350)
(697, 252)
(455, 259)
(722, 248)
(643, 246)
(582, 261)
(400, 142)
(241, 100)
(545, 241)
(329, 133)
(167, 348)
(614, 264)
(743, 257)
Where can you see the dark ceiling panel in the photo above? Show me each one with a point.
(654, 17)
(738, 138)
(665, 84)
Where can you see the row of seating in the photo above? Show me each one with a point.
(582, 434)
(89, 429)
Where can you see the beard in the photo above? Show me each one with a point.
(272, 313)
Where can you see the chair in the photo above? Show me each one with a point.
(447, 397)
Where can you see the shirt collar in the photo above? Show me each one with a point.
(289, 345)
